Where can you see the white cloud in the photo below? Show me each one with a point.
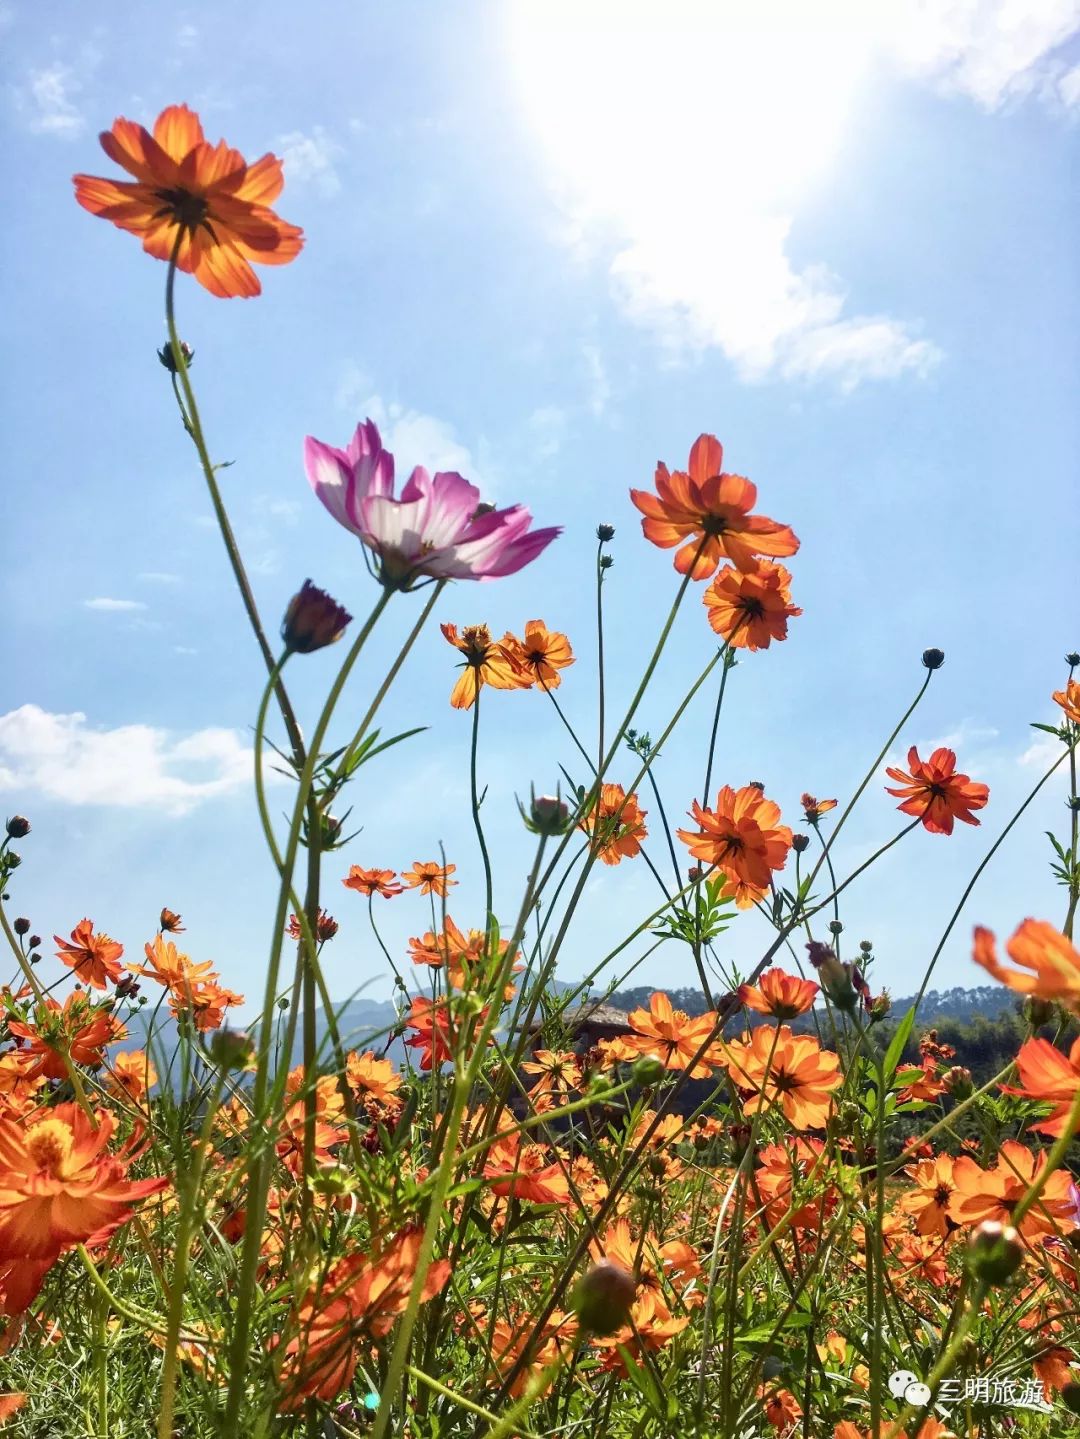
(418, 439)
(992, 51)
(109, 606)
(158, 577)
(547, 427)
(1068, 88)
(309, 159)
(47, 104)
(133, 766)
(187, 37)
(680, 140)
(599, 385)
(1043, 750)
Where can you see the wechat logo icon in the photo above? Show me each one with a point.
(909, 1387)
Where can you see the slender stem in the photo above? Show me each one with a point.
(475, 798)
(464, 1078)
(975, 877)
(729, 664)
(193, 425)
(600, 652)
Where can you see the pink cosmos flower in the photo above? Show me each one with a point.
(437, 528)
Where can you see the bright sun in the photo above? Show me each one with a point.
(655, 101)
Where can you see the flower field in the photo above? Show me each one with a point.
(792, 1213)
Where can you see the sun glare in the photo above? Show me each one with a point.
(644, 103)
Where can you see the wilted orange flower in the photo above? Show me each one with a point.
(59, 1185)
(751, 609)
(1047, 1074)
(928, 1202)
(782, 995)
(742, 838)
(815, 808)
(430, 877)
(169, 923)
(326, 926)
(544, 653)
(509, 1341)
(1069, 700)
(711, 512)
(616, 824)
(670, 1034)
(799, 1076)
(93, 957)
(1039, 947)
(487, 662)
(994, 1193)
(373, 881)
(361, 1297)
(131, 1075)
(935, 793)
(206, 197)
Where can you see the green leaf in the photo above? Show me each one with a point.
(896, 1046)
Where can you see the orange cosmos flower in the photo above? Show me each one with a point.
(523, 1171)
(93, 957)
(205, 1002)
(132, 1075)
(168, 966)
(711, 512)
(616, 824)
(782, 1409)
(668, 1033)
(800, 1076)
(77, 1029)
(742, 838)
(782, 995)
(789, 1172)
(169, 923)
(544, 653)
(11, 1404)
(430, 877)
(928, 1203)
(1039, 947)
(487, 662)
(1046, 1073)
(202, 202)
(651, 1327)
(560, 1073)
(1069, 700)
(994, 1193)
(935, 792)
(373, 881)
(376, 1080)
(59, 1185)
(437, 1032)
(751, 610)
(360, 1298)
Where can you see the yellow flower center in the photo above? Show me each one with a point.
(49, 1146)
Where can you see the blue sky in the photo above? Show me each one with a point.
(547, 246)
